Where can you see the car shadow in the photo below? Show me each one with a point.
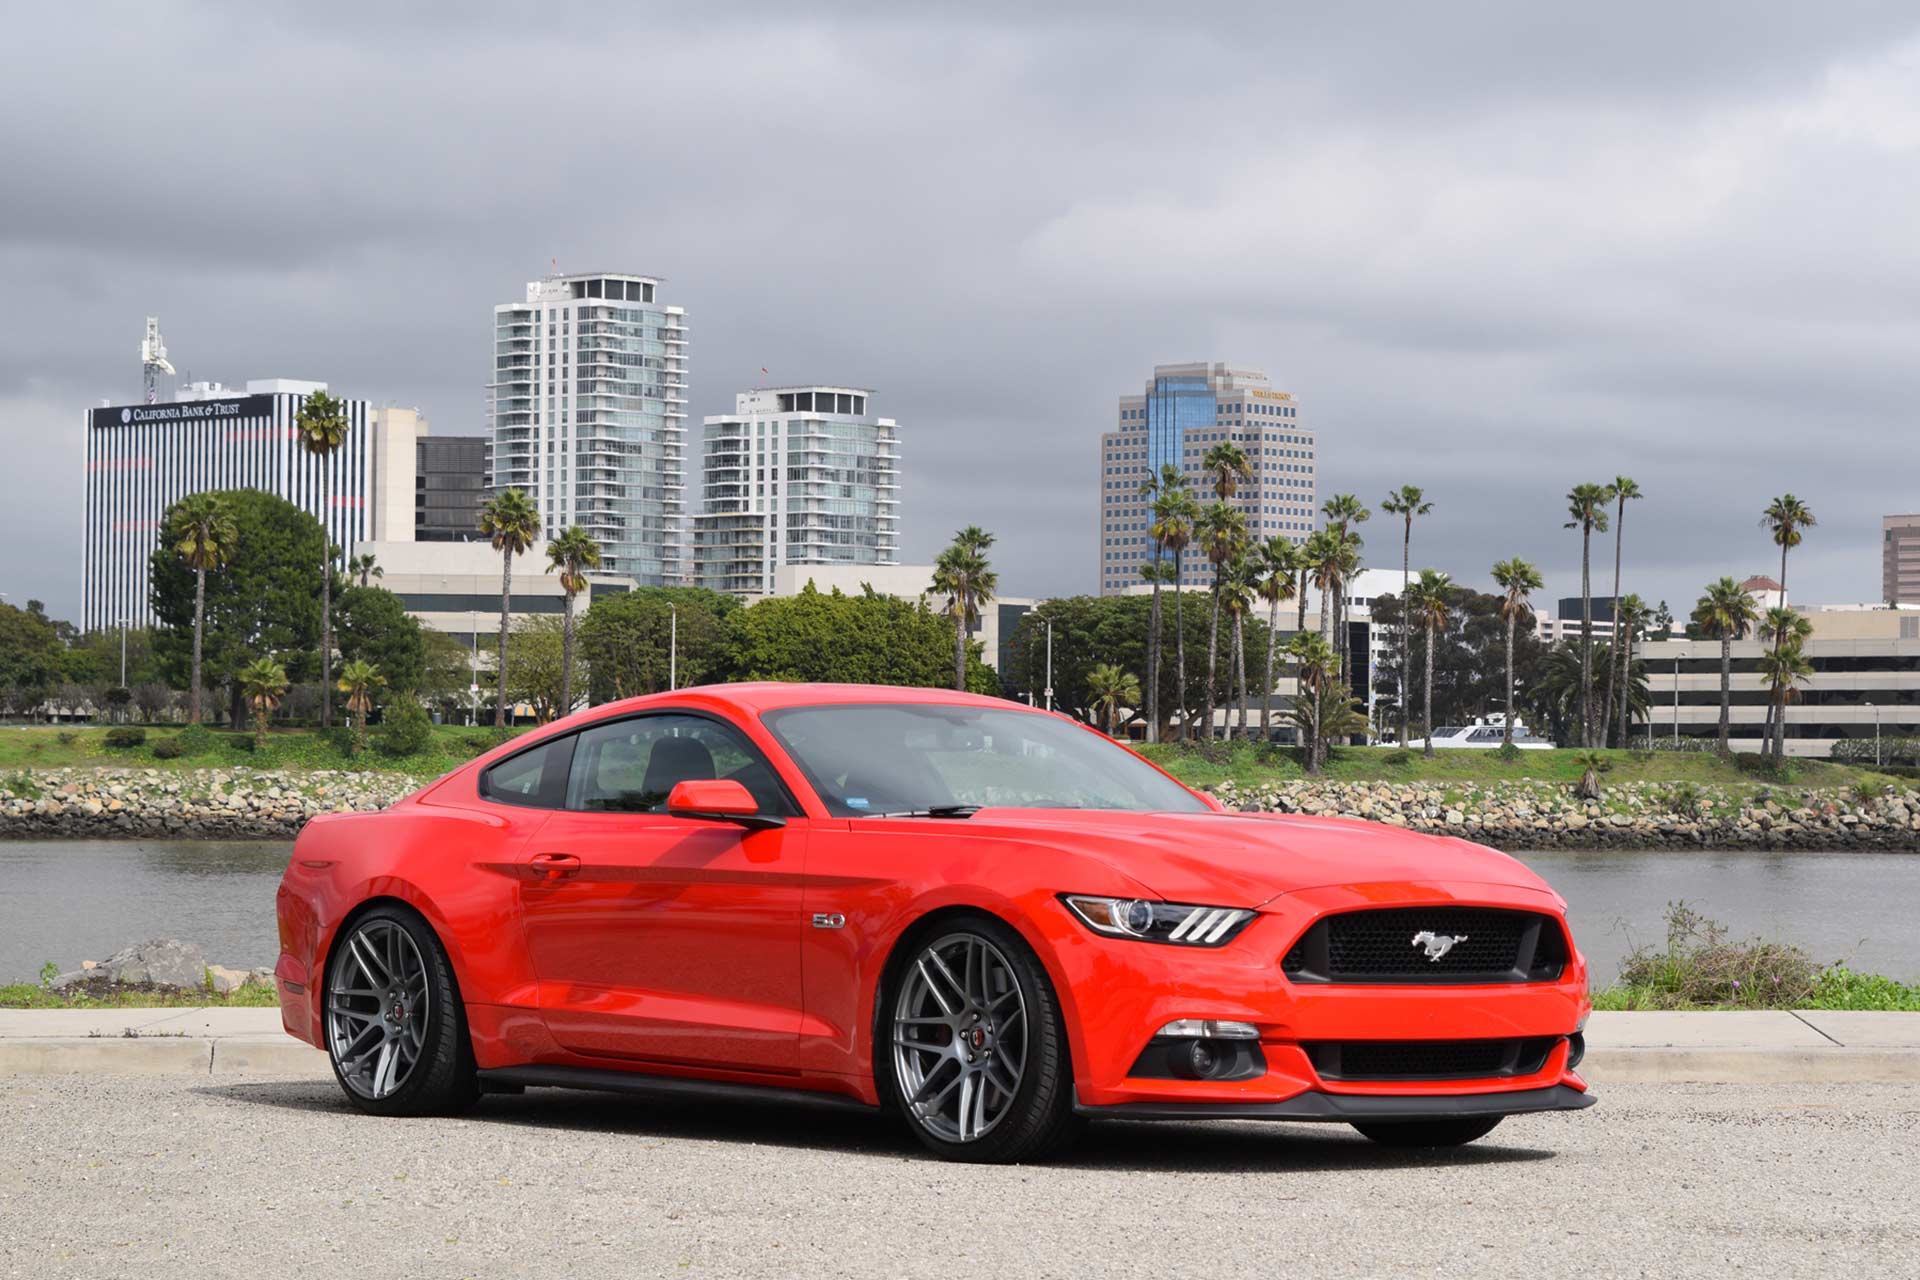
(1169, 1146)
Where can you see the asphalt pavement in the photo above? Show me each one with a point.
(213, 1176)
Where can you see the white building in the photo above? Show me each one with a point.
(142, 458)
(1866, 678)
(588, 415)
(1185, 410)
(802, 475)
(454, 587)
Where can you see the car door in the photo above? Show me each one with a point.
(665, 938)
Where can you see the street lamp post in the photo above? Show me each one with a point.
(1676, 704)
(123, 653)
(1049, 664)
(673, 648)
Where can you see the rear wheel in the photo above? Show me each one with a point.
(396, 1031)
(1429, 1133)
(975, 1057)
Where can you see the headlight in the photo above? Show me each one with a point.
(1177, 923)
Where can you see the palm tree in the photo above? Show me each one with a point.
(364, 568)
(511, 523)
(263, 683)
(1322, 555)
(1223, 533)
(1623, 488)
(571, 555)
(1427, 597)
(1587, 505)
(358, 679)
(963, 575)
(1343, 511)
(201, 532)
(1787, 519)
(322, 427)
(1783, 668)
(1517, 579)
(1111, 687)
(1789, 629)
(1158, 490)
(1314, 657)
(1727, 612)
(1629, 616)
(1237, 596)
(1277, 569)
(1227, 466)
(1175, 515)
(1406, 502)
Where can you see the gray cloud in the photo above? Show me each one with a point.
(1496, 248)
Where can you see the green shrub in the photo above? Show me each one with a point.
(170, 748)
(1398, 758)
(126, 735)
(238, 742)
(1842, 988)
(405, 730)
(66, 737)
(1687, 801)
(481, 741)
(1508, 752)
(195, 739)
(1700, 966)
(1757, 765)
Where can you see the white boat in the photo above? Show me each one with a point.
(1482, 735)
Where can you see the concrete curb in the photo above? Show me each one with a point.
(1836, 1065)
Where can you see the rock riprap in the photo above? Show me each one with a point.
(186, 804)
(1644, 815)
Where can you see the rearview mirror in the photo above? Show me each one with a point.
(719, 800)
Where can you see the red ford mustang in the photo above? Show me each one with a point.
(987, 919)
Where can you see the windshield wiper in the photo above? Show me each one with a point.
(932, 811)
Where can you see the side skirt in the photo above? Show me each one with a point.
(499, 1079)
(1348, 1107)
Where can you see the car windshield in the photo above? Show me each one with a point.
(925, 758)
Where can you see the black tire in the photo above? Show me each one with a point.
(1429, 1133)
(1040, 1120)
(440, 1079)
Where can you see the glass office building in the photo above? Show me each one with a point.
(588, 416)
(1184, 410)
(795, 476)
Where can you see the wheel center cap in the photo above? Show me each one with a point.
(978, 1037)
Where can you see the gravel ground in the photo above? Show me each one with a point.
(162, 1176)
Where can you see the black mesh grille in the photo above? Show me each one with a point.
(1490, 945)
(1429, 1059)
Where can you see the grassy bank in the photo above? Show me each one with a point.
(1248, 765)
(55, 747)
(23, 995)
(1838, 988)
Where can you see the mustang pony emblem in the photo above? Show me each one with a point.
(1437, 944)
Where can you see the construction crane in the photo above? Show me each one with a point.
(153, 357)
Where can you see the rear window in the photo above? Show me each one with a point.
(536, 778)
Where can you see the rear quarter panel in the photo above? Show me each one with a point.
(456, 866)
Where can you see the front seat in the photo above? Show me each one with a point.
(672, 761)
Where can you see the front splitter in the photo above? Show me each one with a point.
(1348, 1107)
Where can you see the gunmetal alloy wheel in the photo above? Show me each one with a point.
(960, 1037)
(379, 1008)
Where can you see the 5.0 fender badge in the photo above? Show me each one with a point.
(829, 920)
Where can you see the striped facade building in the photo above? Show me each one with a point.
(142, 458)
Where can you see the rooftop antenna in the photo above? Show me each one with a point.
(153, 357)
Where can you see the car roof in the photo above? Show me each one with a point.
(754, 697)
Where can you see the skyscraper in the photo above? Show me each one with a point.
(588, 416)
(142, 458)
(1184, 411)
(1900, 559)
(795, 475)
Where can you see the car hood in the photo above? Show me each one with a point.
(1245, 859)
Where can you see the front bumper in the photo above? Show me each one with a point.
(1123, 991)
(1348, 1108)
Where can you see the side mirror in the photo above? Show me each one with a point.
(719, 800)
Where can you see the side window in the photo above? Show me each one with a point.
(631, 766)
(536, 778)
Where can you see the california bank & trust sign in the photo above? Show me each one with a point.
(193, 411)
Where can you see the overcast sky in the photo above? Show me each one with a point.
(1495, 249)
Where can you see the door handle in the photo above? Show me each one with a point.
(555, 866)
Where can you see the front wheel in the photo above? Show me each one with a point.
(1429, 1133)
(396, 1031)
(975, 1057)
